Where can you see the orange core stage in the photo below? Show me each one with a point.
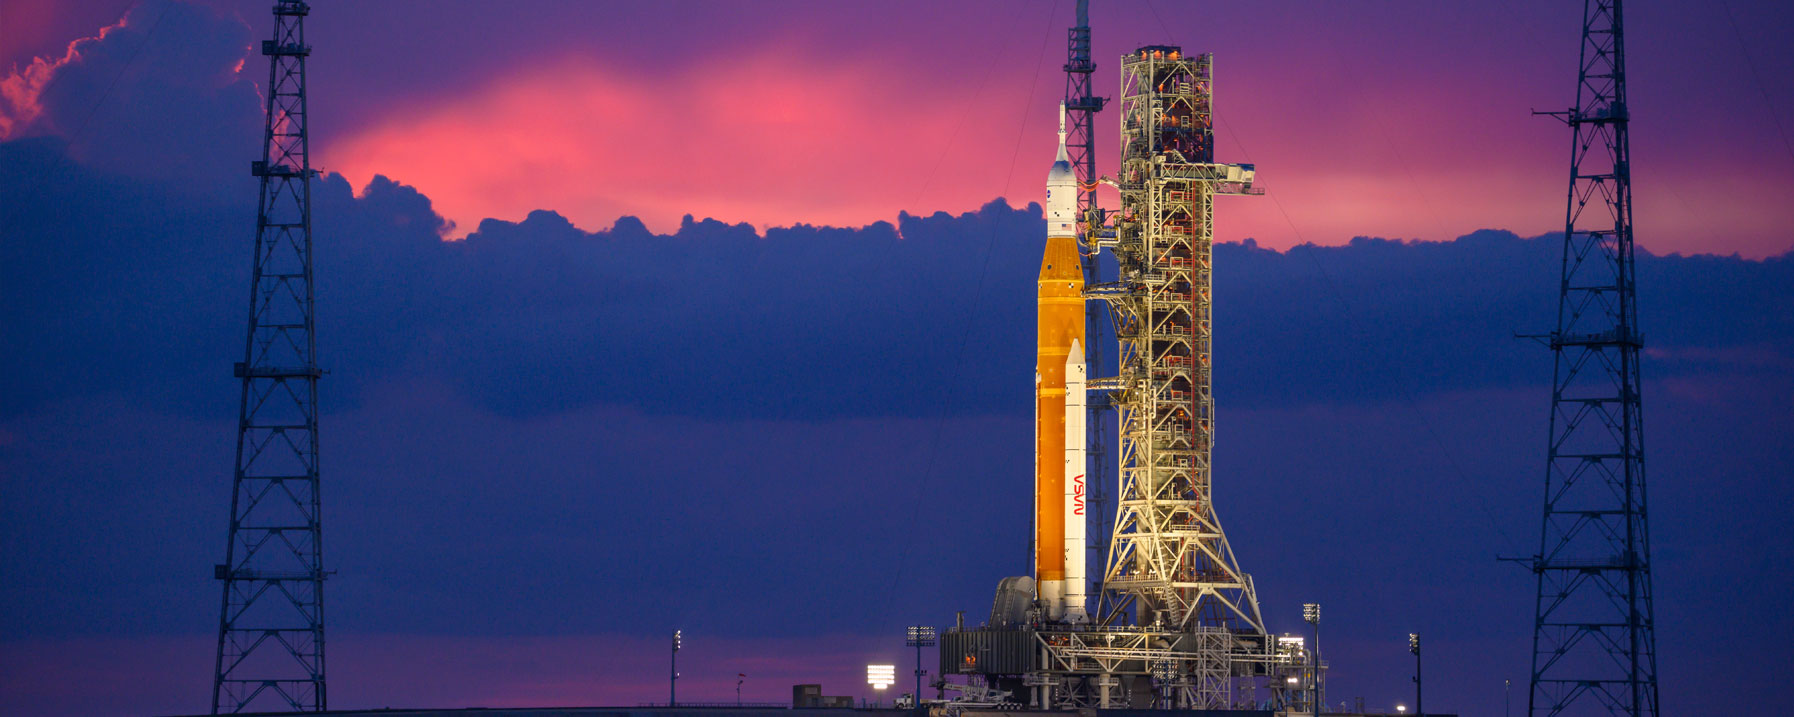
(1061, 321)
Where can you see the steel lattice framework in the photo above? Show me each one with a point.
(1168, 557)
(1178, 624)
(1594, 644)
(1081, 106)
(271, 623)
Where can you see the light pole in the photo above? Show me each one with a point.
(1507, 697)
(1414, 647)
(1312, 613)
(673, 681)
(919, 636)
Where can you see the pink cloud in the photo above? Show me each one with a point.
(771, 141)
(838, 121)
(781, 138)
(21, 90)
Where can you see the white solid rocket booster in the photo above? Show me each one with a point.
(1076, 515)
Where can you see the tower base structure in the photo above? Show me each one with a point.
(1069, 667)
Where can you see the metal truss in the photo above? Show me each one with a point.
(1169, 560)
(271, 623)
(1207, 668)
(1081, 107)
(1594, 644)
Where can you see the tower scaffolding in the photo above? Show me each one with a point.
(1169, 560)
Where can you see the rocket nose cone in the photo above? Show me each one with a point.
(1076, 355)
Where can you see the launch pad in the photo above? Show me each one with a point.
(1066, 667)
(1176, 624)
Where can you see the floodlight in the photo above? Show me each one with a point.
(881, 676)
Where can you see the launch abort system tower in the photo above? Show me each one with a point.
(271, 622)
(1178, 624)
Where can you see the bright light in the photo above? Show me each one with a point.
(1292, 679)
(1401, 708)
(1414, 642)
(1311, 612)
(881, 676)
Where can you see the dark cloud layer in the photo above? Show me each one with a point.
(165, 94)
(932, 316)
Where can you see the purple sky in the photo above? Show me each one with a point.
(559, 434)
(1395, 119)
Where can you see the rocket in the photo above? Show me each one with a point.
(1060, 327)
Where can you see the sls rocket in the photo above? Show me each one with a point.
(1059, 514)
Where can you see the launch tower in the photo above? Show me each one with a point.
(1178, 624)
(271, 623)
(1169, 561)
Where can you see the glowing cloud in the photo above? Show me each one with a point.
(22, 90)
(770, 142)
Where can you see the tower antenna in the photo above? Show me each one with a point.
(1594, 640)
(271, 622)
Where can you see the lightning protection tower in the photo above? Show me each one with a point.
(1594, 644)
(271, 623)
(1081, 107)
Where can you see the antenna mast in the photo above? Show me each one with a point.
(1594, 640)
(271, 622)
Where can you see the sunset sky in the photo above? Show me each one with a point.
(1391, 119)
(718, 316)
